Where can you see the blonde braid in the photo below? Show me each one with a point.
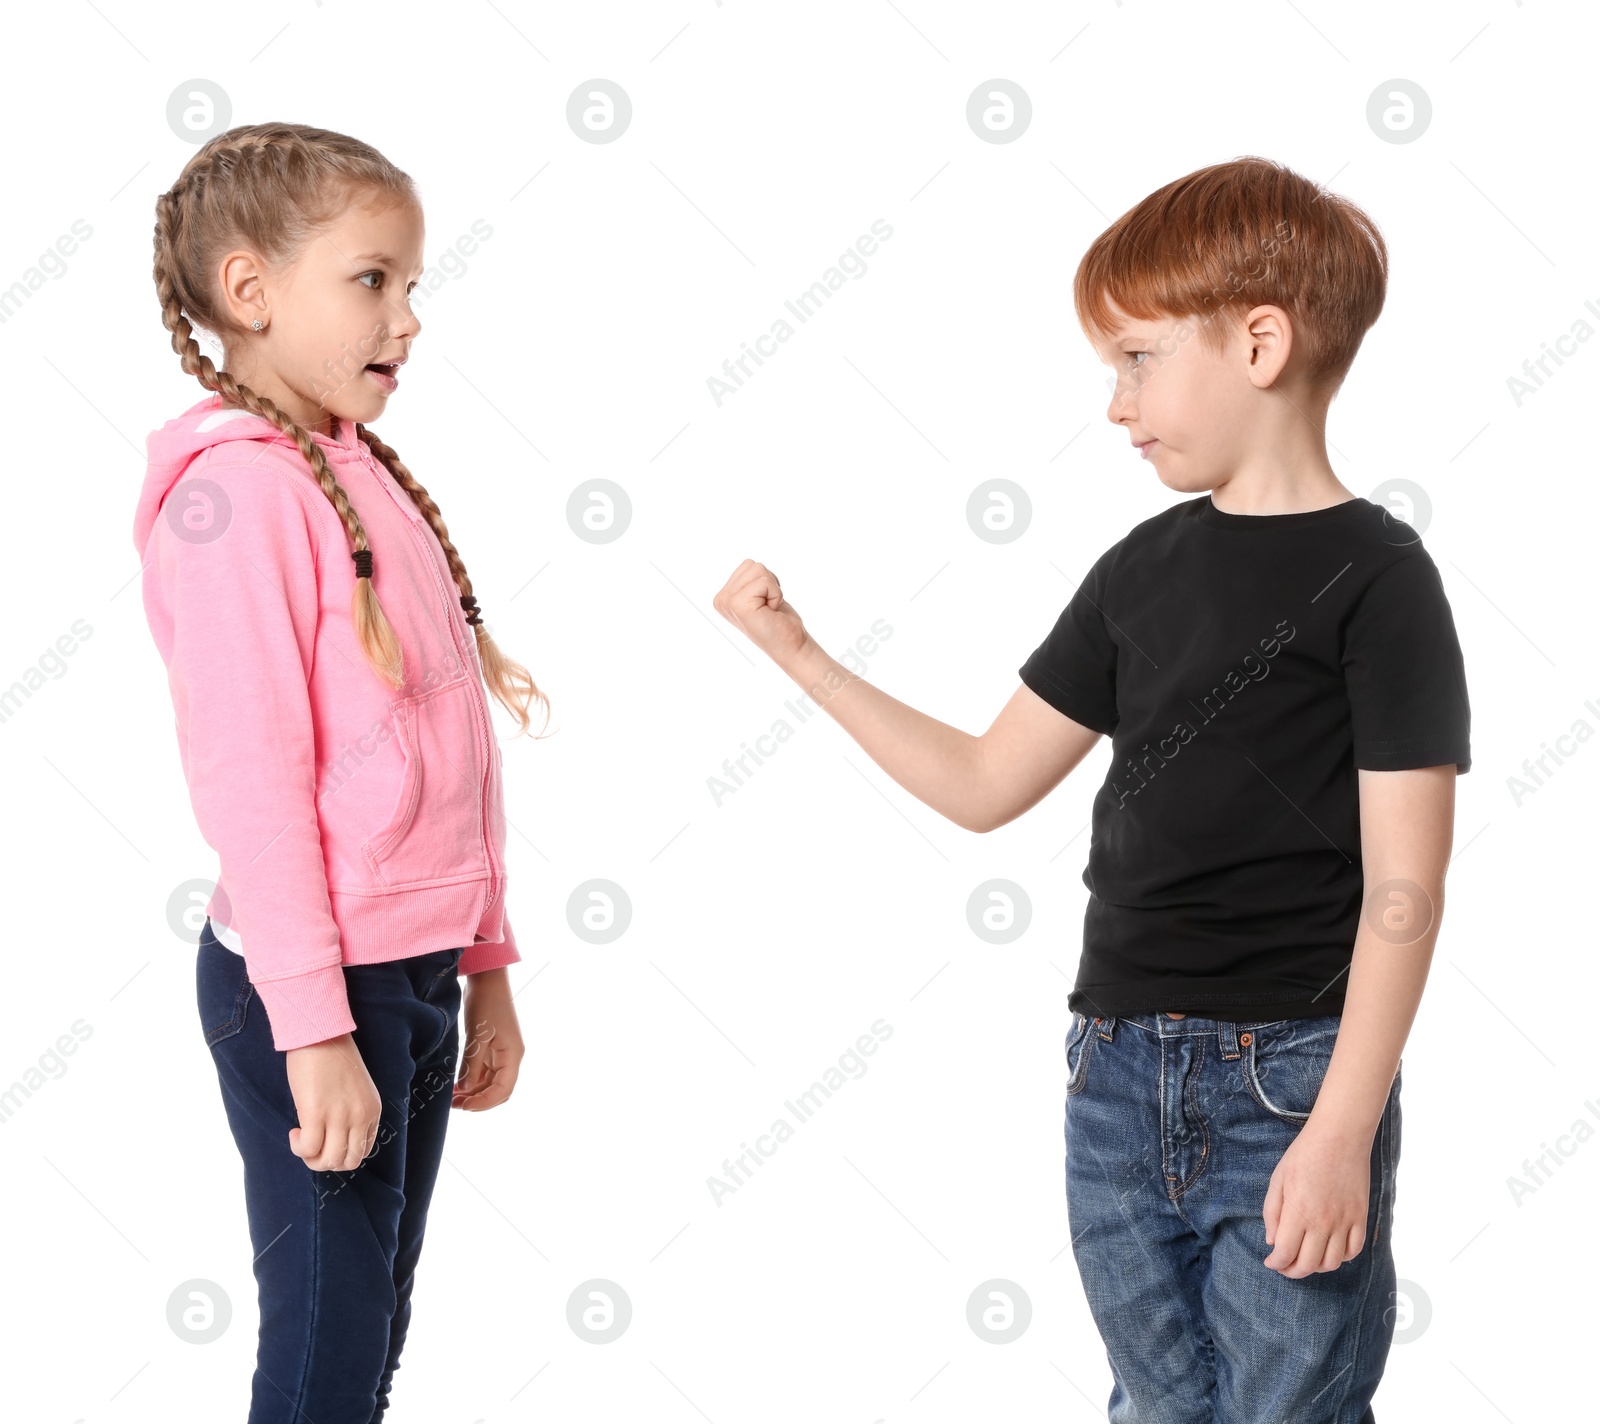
(511, 683)
(374, 632)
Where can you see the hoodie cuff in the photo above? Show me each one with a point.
(306, 1008)
(494, 954)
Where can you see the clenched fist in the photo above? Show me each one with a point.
(752, 600)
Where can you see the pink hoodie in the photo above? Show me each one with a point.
(355, 823)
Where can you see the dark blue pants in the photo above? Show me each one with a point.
(335, 1252)
(1173, 1130)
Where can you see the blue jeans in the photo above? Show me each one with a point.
(335, 1252)
(1173, 1129)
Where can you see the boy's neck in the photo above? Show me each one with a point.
(1261, 490)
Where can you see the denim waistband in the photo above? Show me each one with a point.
(1227, 1031)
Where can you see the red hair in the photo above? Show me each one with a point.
(1237, 235)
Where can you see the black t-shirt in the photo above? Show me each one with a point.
(1244, 667)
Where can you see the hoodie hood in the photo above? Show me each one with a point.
(175, 446)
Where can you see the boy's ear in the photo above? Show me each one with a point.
(1268, 340)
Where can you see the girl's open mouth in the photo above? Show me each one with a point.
(387, 376)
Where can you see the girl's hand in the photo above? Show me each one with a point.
(1316, 1206)
(337, 1104)
(752, 600)
(494, 1048)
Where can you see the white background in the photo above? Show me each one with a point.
(769, 932)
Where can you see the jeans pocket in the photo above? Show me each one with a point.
(1080, 1047)
(448, 972)
(1285, 1063)
(222, 988)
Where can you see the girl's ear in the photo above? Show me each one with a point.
(242, 282)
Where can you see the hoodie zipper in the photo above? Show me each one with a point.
(493, 888)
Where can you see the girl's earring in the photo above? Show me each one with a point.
(256, 324)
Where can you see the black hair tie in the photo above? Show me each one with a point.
(470, 606)
(363, 558)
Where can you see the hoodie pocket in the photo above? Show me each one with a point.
(435, 831)
(497, 812)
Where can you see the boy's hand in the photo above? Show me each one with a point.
(1316, 1206)
(337, 1104)
(752, 600)
(494, 1050)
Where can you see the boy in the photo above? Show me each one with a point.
(1277, 666)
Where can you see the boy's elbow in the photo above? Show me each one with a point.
(981, 821)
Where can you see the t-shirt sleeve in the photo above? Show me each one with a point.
(1075, 668)
(1404, 673)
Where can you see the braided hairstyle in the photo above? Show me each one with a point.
(270, 187)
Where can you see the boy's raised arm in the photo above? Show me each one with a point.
(977, 782)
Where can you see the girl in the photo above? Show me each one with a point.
(334, 731)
